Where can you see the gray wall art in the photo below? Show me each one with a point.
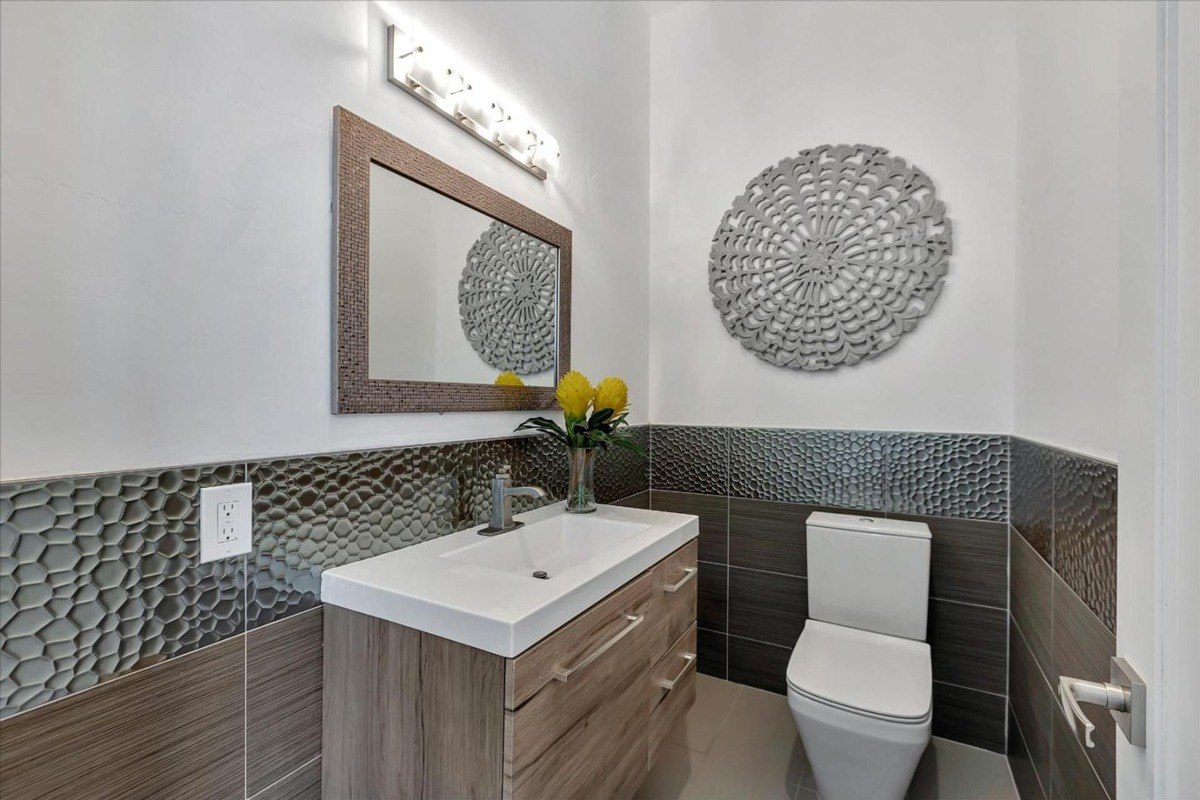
(507, 299)
(829, 257)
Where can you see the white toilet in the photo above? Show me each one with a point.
(859, 680)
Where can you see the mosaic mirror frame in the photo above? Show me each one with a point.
(358, 144)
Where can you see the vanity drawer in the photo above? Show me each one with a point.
(674, 601)
(615, 634)
(673, 689)
(569, 738)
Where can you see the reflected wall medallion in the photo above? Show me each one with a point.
(506, 300)
(829, 257)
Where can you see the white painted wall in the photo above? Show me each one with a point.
(737, 86)
(1065, 377)
(165, 225)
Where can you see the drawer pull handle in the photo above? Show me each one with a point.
(564, 675)
(690, 661)
(675, 587)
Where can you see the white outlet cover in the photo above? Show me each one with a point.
(211, 548)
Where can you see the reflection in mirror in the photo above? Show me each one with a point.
(455, 295)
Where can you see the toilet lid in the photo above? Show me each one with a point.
(861, 671)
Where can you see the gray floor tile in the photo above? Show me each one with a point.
(714, 700)
(738, 742)
(673, 770)
(953, 771)
(757, 753)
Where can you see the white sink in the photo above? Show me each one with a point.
(480, 590)
(549, 545)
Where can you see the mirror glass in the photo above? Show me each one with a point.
(454, 295)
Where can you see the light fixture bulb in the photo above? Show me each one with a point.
(514, 134)
(546, 155)
(476, 105)
(431, 72)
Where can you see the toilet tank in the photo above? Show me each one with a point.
(869, 573)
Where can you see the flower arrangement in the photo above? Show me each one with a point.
(592, 417)
(592, 420)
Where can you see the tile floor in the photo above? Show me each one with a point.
(740, 743)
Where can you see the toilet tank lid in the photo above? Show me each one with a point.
(868, 524)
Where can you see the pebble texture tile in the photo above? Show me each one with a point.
(100, 575)
(1085, 531)
(947, 475)
(833, 468)
(1032, 475)
(319, 512)
(689, 458)
(937, 474)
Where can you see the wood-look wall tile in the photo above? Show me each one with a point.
(768, 535)
(968, 559)
(1032, 488)
(283, 697)
(713, 511)
(1085, 531)
(1083, 647)
(303, 784)
(767, 607)
(639, 500)
(1020, 763)
(174, 730)
(689, 458)
(969, 716)
(1032, 583)
(1072, 775)
(763, 666)
(1032, 702)
(970, 645)
(712, 597)
(712, 652)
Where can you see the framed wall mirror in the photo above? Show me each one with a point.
(442, 284)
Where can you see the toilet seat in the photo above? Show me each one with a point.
(864, 673)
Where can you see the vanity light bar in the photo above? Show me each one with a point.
(431, 77)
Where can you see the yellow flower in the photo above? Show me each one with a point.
(574, 394)
(509, 378)
(612, 393)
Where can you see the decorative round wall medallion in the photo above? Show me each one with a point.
(507, 297)
(829, 257)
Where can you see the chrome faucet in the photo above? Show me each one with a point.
(502, 494)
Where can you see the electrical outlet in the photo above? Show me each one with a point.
(225, 521)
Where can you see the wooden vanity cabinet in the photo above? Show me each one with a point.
(580, 714)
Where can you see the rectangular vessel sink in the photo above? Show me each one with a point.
(550, 545)
(480, 590)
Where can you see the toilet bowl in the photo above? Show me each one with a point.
(859, 679)
(862, 703)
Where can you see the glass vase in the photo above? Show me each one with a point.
(581, 491)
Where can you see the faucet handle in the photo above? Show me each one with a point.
(503, 471)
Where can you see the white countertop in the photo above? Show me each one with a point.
(490, 607)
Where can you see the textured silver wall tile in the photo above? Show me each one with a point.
(1085, 531)
(532, 460)
(813, 467)
(99, 575)
(324, 511)
(689, 458)
(1032, 501)
(948, 475)
(621, 473)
